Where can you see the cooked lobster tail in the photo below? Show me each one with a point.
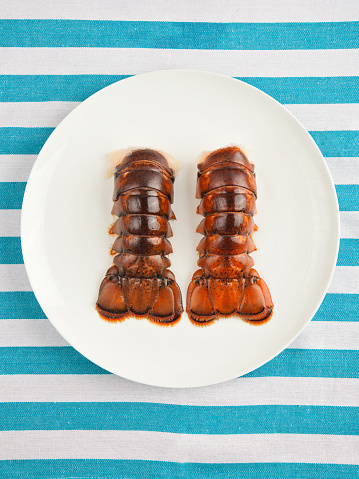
(227, 284)
(139, 283)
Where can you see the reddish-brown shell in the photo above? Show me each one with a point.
(231, 154)
(145, 245)
(227, 284)
(143, 201)
(139, 282)
(144, 225)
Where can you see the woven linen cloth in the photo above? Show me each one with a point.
(63, 417)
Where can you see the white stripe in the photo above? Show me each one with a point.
(29, 332)
(317, 335)
(239, 392)
(328, 335)
(13, 277)
(327, 117)
(349, 224)
(186, 10)
(344, 171)
(15, 167)
(10, 222)
(159, 446)
(345, 280)
(49, 114)
(127, 61)
(34, 114)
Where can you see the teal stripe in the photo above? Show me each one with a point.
(134, 469)
(338, 307)
(348, 197)
(23, 141)
(348, 251)
(23, 305)
(20, 305)
(186, 35)
(307, 90)
(180, 419)
(45, 360)
(10, 250)
(337, 143)
(320, 363)
(291, 362)
(29, 141)
(11, 195)
(17, 88)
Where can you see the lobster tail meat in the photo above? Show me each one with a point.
(139, 282)
(227, 284)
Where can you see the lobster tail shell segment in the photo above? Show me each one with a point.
(231, 154)
(227, 284)
(139, 282)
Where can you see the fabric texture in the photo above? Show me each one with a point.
(61, 416)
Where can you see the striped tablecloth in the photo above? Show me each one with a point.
(62, 416)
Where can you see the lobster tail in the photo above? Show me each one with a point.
(227, 284)
(139, 283)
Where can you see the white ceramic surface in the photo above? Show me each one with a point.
(67, 212)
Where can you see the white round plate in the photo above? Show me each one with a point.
(67, 212)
